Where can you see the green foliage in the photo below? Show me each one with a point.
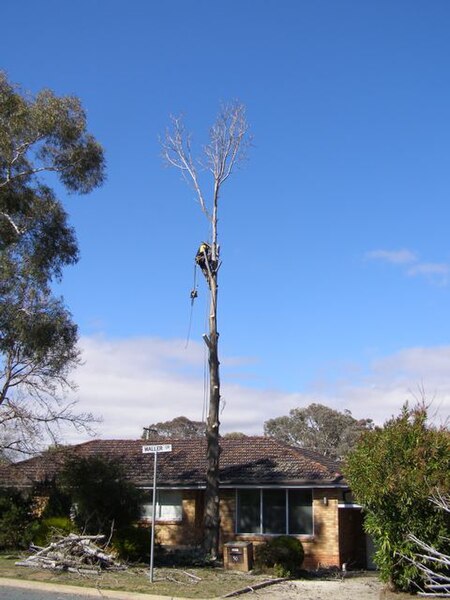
(44, 530)
(101, 494)
(180, 427)
(133, 544)
(38, 135)
(45, 133)
(393, 471)
(281, 571)
(15, 520)
(283, 555)
(57, 503)
(320, 428)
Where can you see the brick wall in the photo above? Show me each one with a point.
(186, 532)
(326, 547)
(321, 548)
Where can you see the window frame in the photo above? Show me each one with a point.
(177, 518)
(261, 527)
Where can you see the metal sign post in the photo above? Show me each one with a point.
(154, 449)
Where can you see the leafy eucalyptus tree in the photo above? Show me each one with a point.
(180, 427)
(228, 141)
(39, 135)
(320, 428)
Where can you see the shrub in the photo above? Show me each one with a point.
(393, 471)
(58, 504)
(133, 544)
(283, 555)
(15, 520)
(102, 495)
(43, 531)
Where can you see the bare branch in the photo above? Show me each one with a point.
(433, 564)
(228, 141)
(442, 501)
(176, 150)
(11, 222)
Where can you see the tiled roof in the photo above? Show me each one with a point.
(243, 461)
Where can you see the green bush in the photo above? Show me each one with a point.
(393, 471)
(283, 555)
(58, 503)
(132, 544)
(43, 531)
(15, 520)
(103, 497)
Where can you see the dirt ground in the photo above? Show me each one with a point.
(365, 587)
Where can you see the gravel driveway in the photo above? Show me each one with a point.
(365, 587)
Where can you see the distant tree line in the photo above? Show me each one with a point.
(320, 428)
(316, 427)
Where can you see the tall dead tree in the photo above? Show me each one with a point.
(228, 141)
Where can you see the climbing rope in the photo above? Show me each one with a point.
(193, 296)
(205, 372)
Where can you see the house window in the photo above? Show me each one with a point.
(300, 512)
(249, 503)
(275, 511)
(168, 505)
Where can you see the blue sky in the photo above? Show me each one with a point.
(335, 284)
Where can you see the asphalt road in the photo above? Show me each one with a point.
(13, 593)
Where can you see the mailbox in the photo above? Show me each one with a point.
(238, 556)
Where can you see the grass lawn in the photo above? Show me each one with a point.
(214, 582)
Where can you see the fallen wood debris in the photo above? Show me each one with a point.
(192, 576)
(180, 576)
(256, 586)
(73, 553)
(435, 566)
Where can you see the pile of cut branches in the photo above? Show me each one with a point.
(433, 564)
(435, 567)
(73, 553)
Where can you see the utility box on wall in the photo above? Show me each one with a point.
(238, 556)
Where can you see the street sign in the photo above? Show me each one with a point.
(156, 448)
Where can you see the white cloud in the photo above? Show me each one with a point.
(437, 273)
(411, 375)
(395, 257)
(135, 382)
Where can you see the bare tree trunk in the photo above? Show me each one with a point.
(228, 141)
(211, 514)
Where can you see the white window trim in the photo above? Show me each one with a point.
(163, 519)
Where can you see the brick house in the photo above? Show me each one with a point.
(267, 488)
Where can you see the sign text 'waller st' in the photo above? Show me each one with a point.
(156, 448)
